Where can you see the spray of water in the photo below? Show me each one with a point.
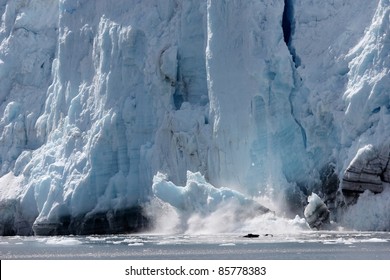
(227, 218)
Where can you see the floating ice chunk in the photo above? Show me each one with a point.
(316, 212)
(376, 240)
(135, 244)
(63, 241)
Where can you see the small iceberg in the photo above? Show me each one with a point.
(316, 212)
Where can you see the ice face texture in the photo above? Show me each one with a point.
(280, 98)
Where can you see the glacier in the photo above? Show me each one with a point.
(269, 100)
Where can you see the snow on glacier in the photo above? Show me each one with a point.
(110, 93)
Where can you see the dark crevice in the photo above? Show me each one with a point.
(288, 26)
(303, 131)
(181, 92)
(286, 22)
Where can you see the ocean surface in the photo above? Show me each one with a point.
(320, 245)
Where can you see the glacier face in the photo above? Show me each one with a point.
(276, 98)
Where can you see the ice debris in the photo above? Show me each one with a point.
(316, 212)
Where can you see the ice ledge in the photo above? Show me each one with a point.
(369, 170)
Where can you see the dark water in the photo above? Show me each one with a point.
(302, 246)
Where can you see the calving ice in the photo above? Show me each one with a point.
(121, 116)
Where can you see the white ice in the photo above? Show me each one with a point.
(97, 97)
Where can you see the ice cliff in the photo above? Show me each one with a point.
(267, 98)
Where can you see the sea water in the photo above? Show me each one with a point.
(310, 245)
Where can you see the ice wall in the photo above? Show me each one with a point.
(276, 98)
(250, 70)
(344, 66)
(124, 96)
